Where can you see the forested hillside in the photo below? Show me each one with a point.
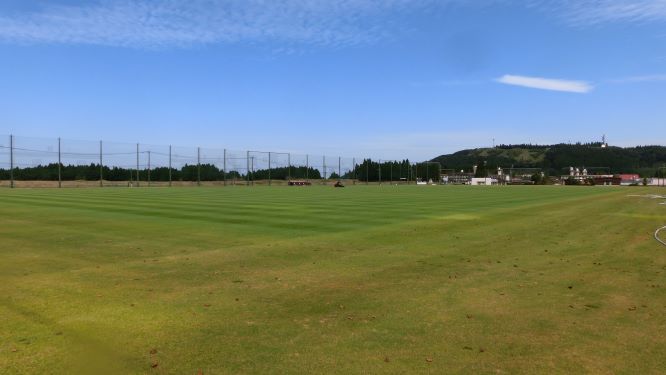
(556, 159)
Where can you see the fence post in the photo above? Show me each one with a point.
(269, 168)
(252, 168)
(354, 170)
(169, 165)
(224, 167)
(198, 166)
(11, 161)
(59, 165)
(137, 165)
(247, 167)
(380, 171)
(101, 166)
(148, 168)
(339, 169)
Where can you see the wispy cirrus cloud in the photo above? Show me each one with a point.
(592, 12)
(178, 23)
(167, 23)
(639, 79)
(580, 87)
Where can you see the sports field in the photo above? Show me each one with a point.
(408, 279)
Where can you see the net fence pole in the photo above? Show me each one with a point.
(339, 167)
(354, 173)
(367, 172)
(11, 161)
(224, 167)
(148, 168)
(289, 167)
(269, 168)
(101, 166)
(247, 168)
(137, 165)
(198, 166)
(324, 164)
(169, 165)
(59, 165)
(307, 167)
(380, 171)
(391, 174)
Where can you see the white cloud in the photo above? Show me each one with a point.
(167, 23)
(546, 83)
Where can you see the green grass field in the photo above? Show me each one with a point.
(320, 280)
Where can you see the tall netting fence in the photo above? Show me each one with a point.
(44, 162)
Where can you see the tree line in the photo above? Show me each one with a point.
(368, 170)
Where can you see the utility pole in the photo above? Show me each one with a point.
(59, 165)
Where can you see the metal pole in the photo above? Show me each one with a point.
(252, 167)
(289, 162)
(169, 165)
(307, 167)
(416, 173)
(101, 166)
(247, 162)
(11, 161)
(391, 174)
(339, 170)
(59, 164)
(380, 171)
(224, 167)
(198, 166)
(149, 168)
(269, 168)
(324, 162)
(137, 165)
(354, 166)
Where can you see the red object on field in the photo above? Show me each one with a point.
(299, 183)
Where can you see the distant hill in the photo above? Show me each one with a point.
(556, 159)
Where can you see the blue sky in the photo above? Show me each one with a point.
(390, 79)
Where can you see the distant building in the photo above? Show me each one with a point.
(630, 179)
